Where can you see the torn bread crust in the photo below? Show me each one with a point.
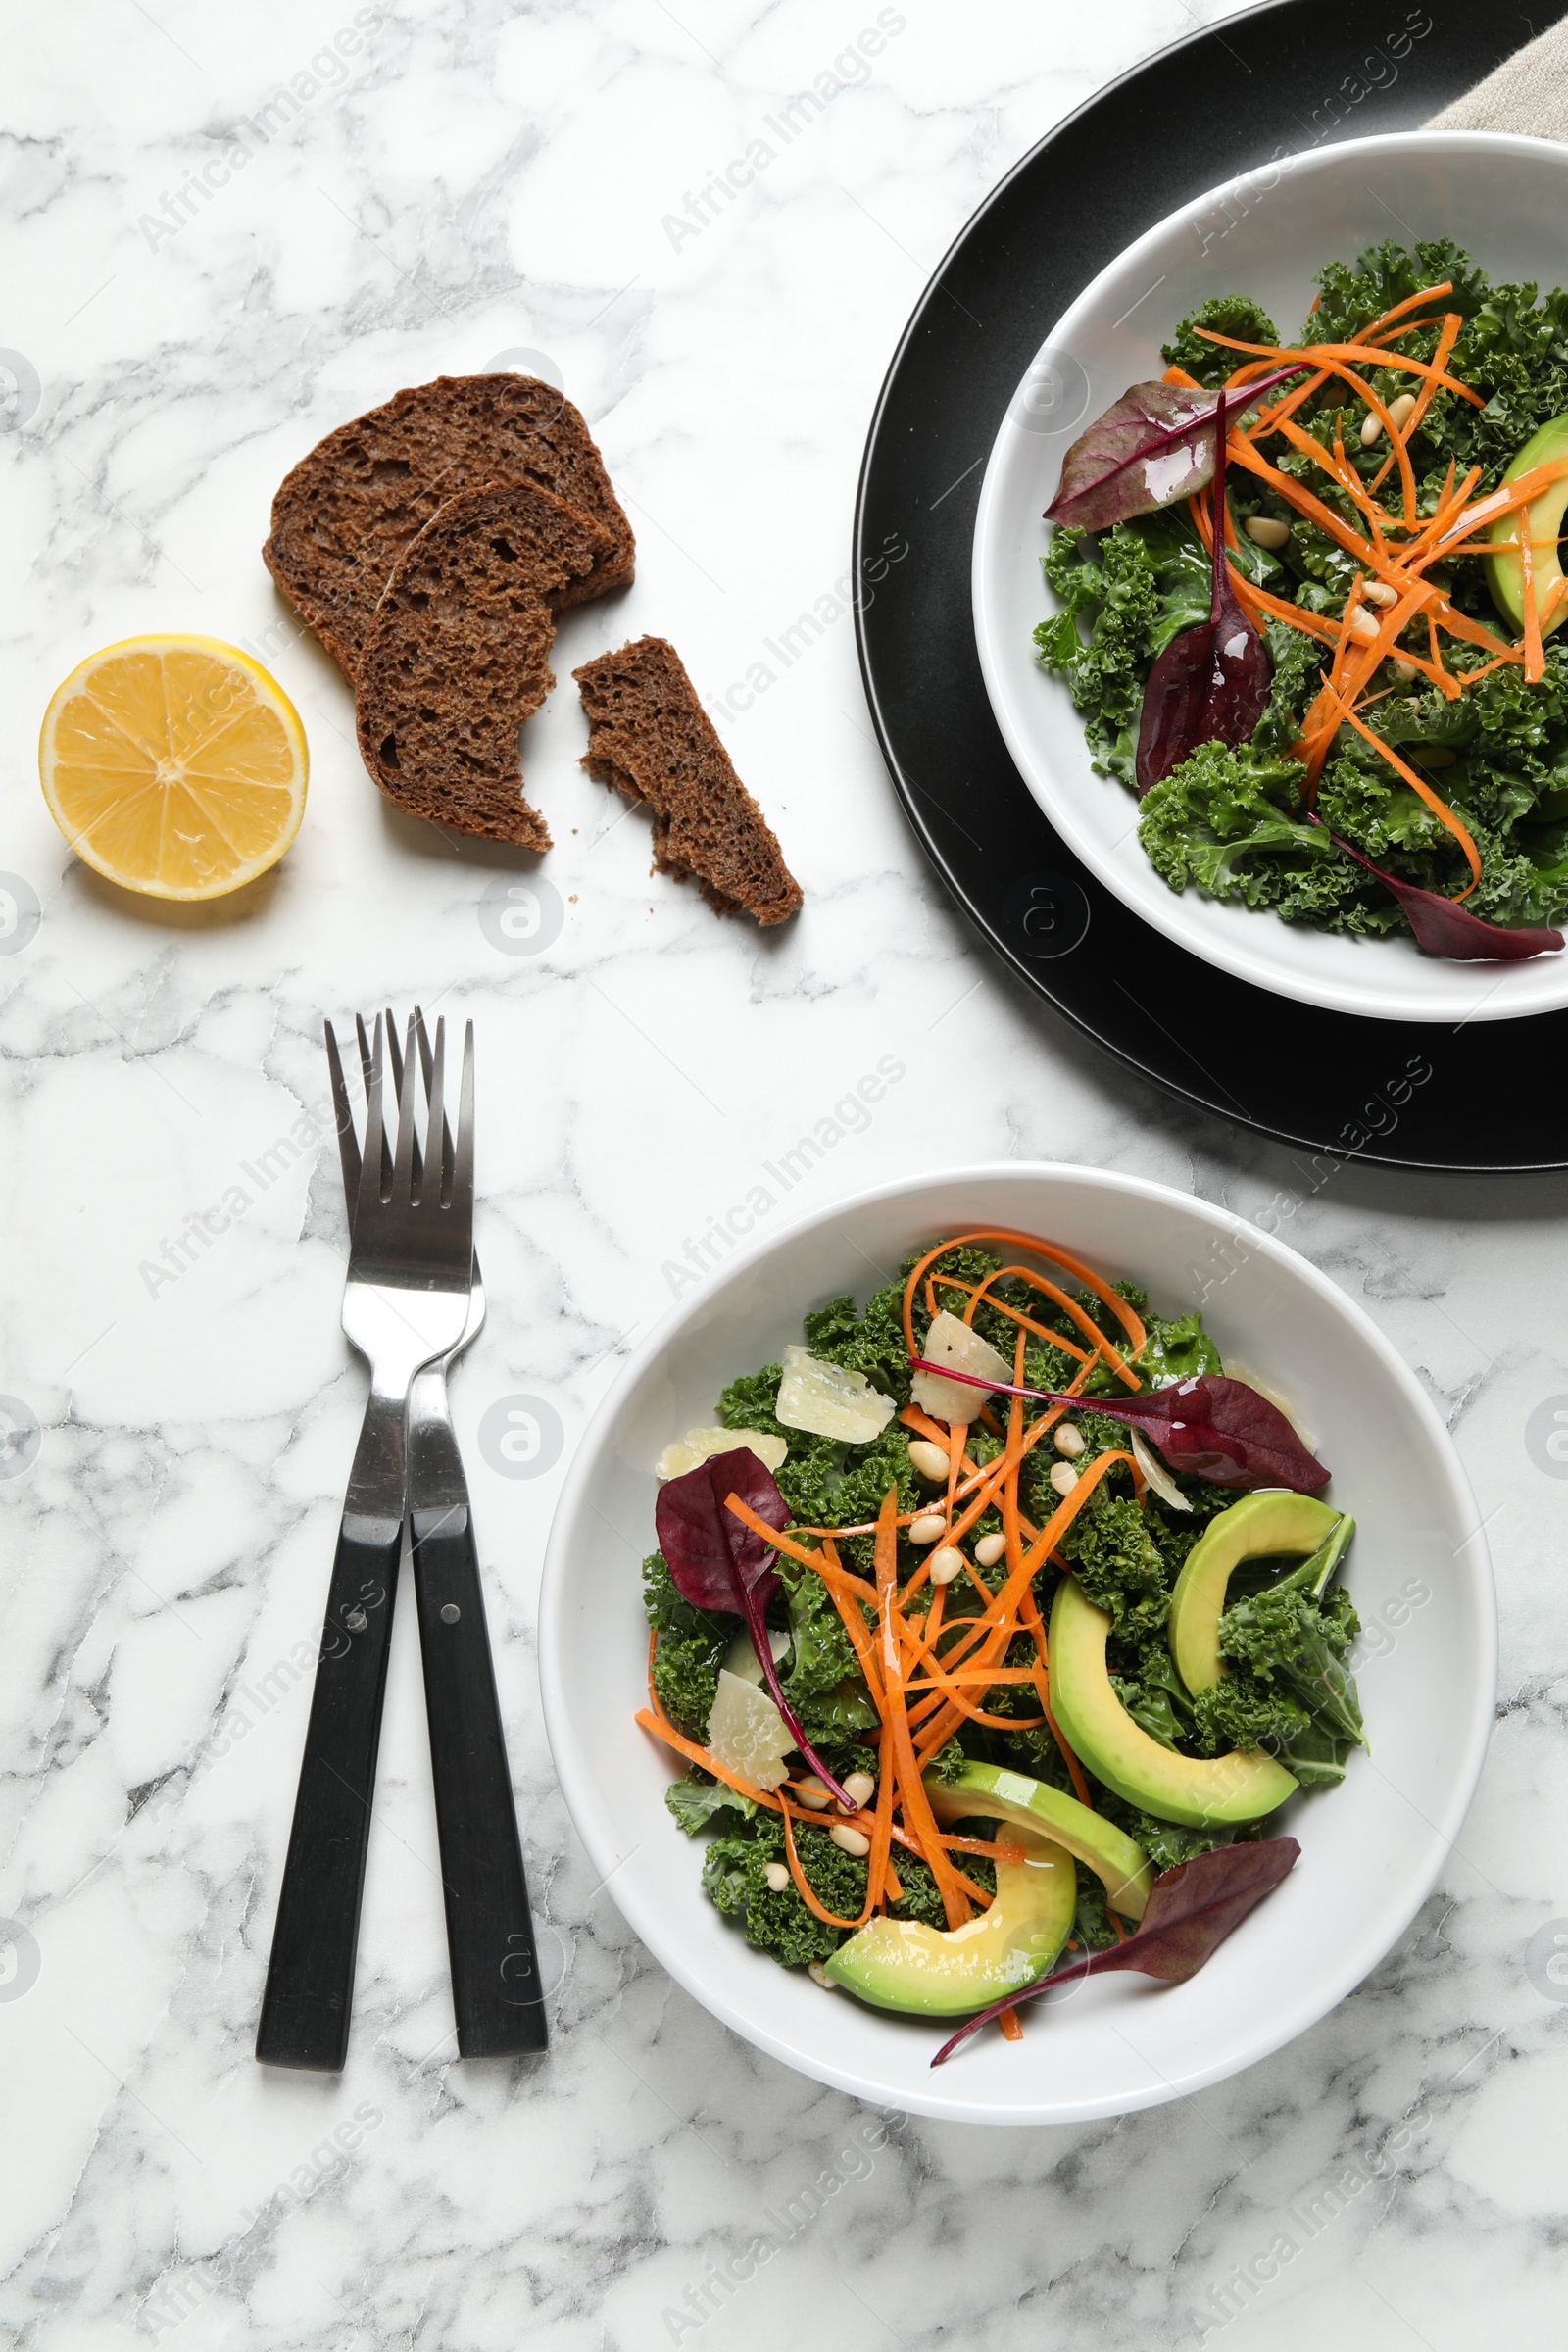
(651, 739)
(347, 512)
(458, 656)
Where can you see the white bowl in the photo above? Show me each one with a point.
(1505, 199)
(1371, 1848)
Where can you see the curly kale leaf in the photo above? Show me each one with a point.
(920, 1898)
(1227, 821)
(1177, 1347)
(735, 1878)
(1092, 1929)
(1112, 581)
(1165, 1841)
(1349, 297)
(824, 1684)
(691, 1644)
(948, 1764)
(699, 1802)
(1235, 314)
(1284, 1639)
(868, 1341)
(1156, 1696)
(1114, 1555)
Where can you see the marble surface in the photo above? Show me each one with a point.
(470, 180)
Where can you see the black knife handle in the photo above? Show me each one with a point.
(310, 1976)
(497, 1994)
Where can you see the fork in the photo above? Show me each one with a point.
(497, 1999)
(406, 1303)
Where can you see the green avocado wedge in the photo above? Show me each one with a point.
(1028, 1804)
(1259, 1526)
(904, 1964)
(1196, 1790)
(1504, 571)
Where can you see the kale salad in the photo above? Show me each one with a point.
(991, 1625)
(1359, 719)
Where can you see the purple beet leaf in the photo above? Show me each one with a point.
(1209, 1427)
(1154, 446)
(716, 1561)
(1211, 683)
(1190, 1910)
(1444, 929)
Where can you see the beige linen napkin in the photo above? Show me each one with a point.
(1528, 94)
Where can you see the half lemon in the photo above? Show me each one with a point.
(175, 765)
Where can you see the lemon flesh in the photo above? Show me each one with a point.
(175, 765)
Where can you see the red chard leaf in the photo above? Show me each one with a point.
(1190, 1910)
(1444, 929)
(1209, 1427)
(716, 1561)
(1154, 446)
(1211, 683)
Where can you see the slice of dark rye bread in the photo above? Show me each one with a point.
(344, 515)
(650, 737)
(457, 655)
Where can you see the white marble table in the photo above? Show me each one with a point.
(450, 184)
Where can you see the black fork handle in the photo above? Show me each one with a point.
(497, 1996)
(309, 1998)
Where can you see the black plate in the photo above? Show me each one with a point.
(1292, 74)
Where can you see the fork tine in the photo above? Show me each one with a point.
(403, 1061)
(364, 1072)
(394, 1049)
(435, 1087)
(462, 1159)
(403, 1163)
(348, 1143)
(426, 1063)
(369, 1191)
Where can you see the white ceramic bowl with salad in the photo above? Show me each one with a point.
(1502, 199)
(1372, 1847)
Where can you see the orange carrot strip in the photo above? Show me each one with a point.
(1447, 336)
(1011, 2025)
(1439, 807)
(993, 1629)
(803, 1886)
(917, 1813)
(1131, 1323)
(1535, 659)
(1325, 355)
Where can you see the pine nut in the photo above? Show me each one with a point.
(1406, 669)
(849, 1841)
(859, 1786)
(1401, 410)
(778, 1875)
(928, 1459)
(1063, 1477)
(1362, 624)
(1266, 530)
(1371, 429)
(811, 1792)
(989, 1551)
(1435, 754)
(947, 1562)
(926, 1528)
(1068, 1439)
(820, 1976)
(1378, 592)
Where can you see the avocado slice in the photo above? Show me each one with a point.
(1029, 1804)
(1257, 1526)
(1504, 573)
(1196, 1790)
(904, 1964)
